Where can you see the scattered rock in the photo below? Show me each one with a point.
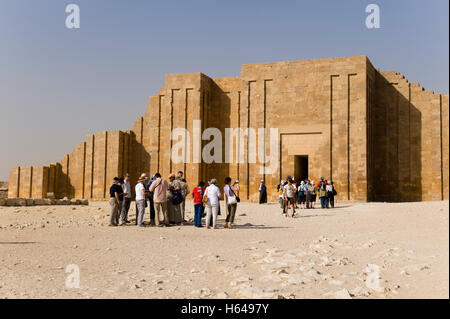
(222, 295)
(408, 270)
(341, 294)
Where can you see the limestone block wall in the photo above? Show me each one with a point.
(410, 141)
(319, 107)
(87, 172)
(377, 136)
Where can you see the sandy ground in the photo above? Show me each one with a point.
(362, 250)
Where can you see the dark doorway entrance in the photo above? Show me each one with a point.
(300, 167)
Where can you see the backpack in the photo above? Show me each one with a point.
(177, 198)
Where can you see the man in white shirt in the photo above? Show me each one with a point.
(141, 192)
(212, 205)
(126, 200)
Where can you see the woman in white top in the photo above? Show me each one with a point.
(212, 192)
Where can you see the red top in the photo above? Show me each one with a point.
(198, 193)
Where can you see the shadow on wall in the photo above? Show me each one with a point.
(395, 142)
(219, 100)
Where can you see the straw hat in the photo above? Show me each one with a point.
(142, 179)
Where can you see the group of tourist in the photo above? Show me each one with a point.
(293, 195)
(167, 200)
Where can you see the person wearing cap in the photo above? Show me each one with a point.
(262, 192)
(212, 193)
(174, 210)
(115, 199)
(141, 193)
(159, 189)
(127, 198)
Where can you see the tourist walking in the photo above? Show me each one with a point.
(141, 193)
(159, 189)
(289, 193)
(331, 192)
(115, 198)
(212, 194)
(174, 200)
(198, 193)
(232, 200)
(126, 187)
(262, 192)
(323, 195)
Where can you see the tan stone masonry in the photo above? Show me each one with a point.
(377, 136)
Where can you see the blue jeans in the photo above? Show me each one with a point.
(323, 202)
(198, 208)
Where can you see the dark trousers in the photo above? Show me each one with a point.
(324, 202)
(308, 200)
(152, 208)
(331, 201)
(231, 213)
(198, 209)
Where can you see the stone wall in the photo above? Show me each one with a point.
(410, 141)
(377, 136)
(3, 189)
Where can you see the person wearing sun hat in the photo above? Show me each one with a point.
(141, 193)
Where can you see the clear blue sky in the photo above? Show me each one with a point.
(57, 85)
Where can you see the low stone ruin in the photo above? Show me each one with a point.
(41, 201)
